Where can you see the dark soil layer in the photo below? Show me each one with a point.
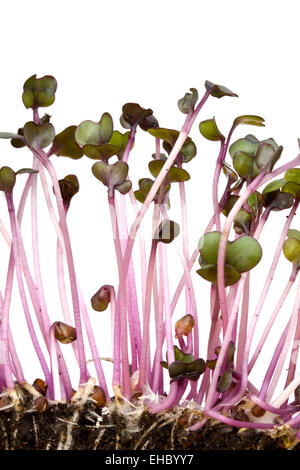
(86, 427)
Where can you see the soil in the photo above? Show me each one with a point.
(85, 426)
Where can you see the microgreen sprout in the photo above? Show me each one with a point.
(227, 252)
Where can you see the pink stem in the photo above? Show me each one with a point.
(146, 320)
(272, 319)
(16, 252)
(64, 228)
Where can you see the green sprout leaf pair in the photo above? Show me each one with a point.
(134, 115)
(38, 135)
(93, 138)
(39, 92)
(242, 255)
(169, 137)
(250, 156)
(291, 247)
(113, 176)
(185, 366)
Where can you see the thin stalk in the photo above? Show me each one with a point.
(243, 324)
(133, 308)
(273, 318)
(146, 320)
(18, 371)
(16, 252)
(57, 392)
(72, 276)
(36, 257)
(216, 178)
(273, 364)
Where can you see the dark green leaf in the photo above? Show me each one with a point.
(229, 204)
(119, 141)
(210, 131)
(293, 175)
(106, 128)
(179, 370)
(7, 179)
(224, 381)
(292, 233)
(266, 156)
(64, 144)
(254, 201)
(210, 273)
(26, 170)
(273, 186)
(39, 92)
(293, 189)
(291, 249)
(100, 152)
(228, 171)
(243, 164)
(188, 151)
(124, 188)
(242, 222)
(148, 122)
(278, 201)
(169, 135)
(69, 186)
(181, 356)
(187, 103)
(209, 246)
(88, 132)
(38, 135)
(244, 253)
(218, 91)
(19, 141)
(110, 175)
(243, 145)
(174, 174)
(249, 120)
(133, 114)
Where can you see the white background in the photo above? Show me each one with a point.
(104, 54)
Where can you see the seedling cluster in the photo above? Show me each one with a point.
(227, 251)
